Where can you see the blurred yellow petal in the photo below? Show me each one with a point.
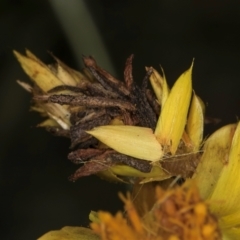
(110, 176)
(195, 122)
(132, 213)
(231, 234)
(216, 150)
(38, 72)
(228, 185)
(172, 120)
(138, 142)
(114, 227)
(230, 221)
(70, 233)
(93, 217)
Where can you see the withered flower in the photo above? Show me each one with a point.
(131, 134)
(76, 103)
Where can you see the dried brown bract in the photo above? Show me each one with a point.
(78, 103)
(98, 103)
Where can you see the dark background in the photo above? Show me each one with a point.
(35, 193)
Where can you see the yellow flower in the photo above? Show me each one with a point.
(217, 176)
(178, 213)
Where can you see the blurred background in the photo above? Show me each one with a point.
(36, 195)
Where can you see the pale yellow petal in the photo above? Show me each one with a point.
(70, 73)
(38, 72)
(58, 113)
(159, 85)
(65, 77)
(165, 91)
(24, 85)
(48, 123)
(39, 109)
(110, 176)
(70, 233)
(216, 150)
(156, 174)
(173, 116)
(34, 57)
(227, 189)
(195, 121)
(116, 121)
(156, 81)
(138, 142)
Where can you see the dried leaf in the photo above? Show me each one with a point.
(81, 155)
(91, 167)
(181, 164)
